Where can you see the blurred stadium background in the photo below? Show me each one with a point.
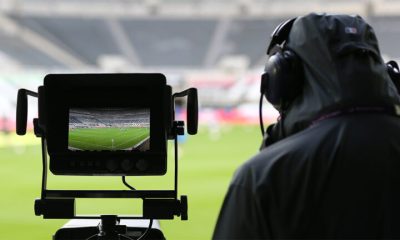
(217, 46)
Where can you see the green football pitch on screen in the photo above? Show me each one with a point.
(107, 138)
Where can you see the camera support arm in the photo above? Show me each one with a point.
(21, 121)
(22, 109)
(191, 109)
(178, 128)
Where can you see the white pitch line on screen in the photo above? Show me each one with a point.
(141, 136)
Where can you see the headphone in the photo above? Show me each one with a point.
(283, 74)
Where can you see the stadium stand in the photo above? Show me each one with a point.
(170, 42)
(161, 42)
(168, 34)
(26, 55)
(74, 120)
(187, 39)
(85, 118)
(87, 38)
(249, 37)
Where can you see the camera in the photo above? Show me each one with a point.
(107, 125)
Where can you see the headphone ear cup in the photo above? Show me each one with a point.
(394, 73)
(284, 78)
(274, 83)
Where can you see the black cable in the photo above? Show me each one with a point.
(261, 116)
(147, 230)
(151, 220)
(127, 184)
(143, 235)
(95, 235)
(176, 166)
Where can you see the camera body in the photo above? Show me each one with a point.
(106, 124)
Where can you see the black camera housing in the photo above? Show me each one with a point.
(62, 92)
(139, 105)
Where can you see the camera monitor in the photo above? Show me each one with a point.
(106, 124)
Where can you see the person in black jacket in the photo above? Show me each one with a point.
(330, 167)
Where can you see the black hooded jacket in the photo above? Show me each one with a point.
(334, 169)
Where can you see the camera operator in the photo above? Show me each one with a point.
(330, 166)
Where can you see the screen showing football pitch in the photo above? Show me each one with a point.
(109, 129)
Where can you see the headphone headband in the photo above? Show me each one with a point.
(280, 34)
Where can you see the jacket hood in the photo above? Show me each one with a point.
(342, 68)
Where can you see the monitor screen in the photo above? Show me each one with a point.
(109, 129)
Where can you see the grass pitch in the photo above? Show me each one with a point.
(207, 163)
(106, 138)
